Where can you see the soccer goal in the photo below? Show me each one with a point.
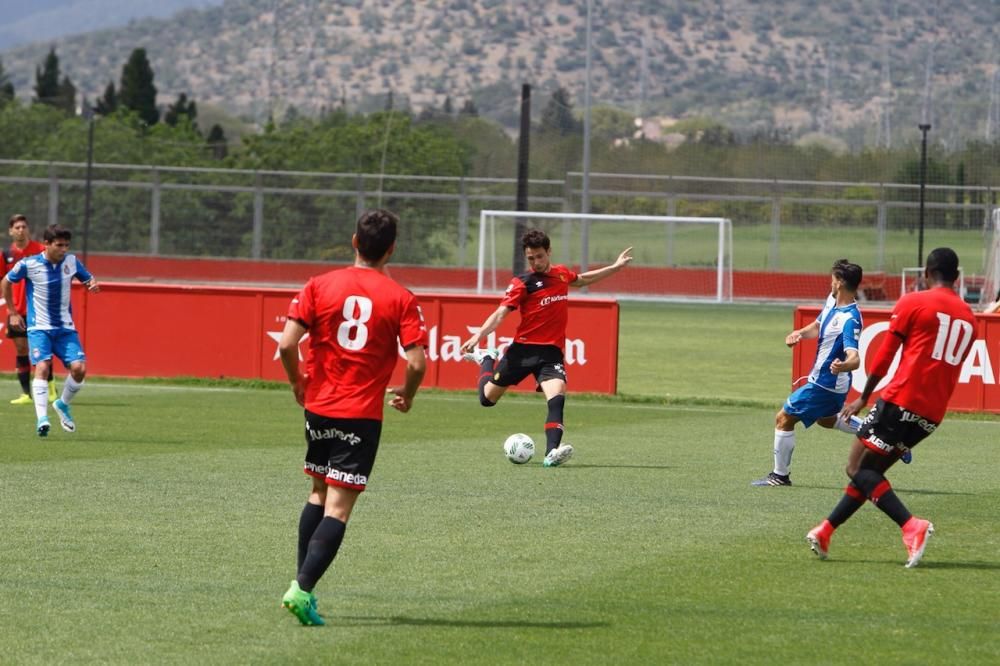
(990, 290)
(913, 280)
(675, 258)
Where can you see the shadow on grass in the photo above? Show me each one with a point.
(982, 566)
(486, 624)
(610, 466)
(901, 491)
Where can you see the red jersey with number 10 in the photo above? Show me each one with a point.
(937, 329)
(354, 316)
(542, 299)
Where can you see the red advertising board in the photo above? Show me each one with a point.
(977, 388)
(153, 330)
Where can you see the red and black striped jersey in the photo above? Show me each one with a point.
(542, 300)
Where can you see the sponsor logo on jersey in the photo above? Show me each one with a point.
(553, 299)
(333, 433)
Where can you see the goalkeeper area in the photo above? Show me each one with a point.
(675, 258)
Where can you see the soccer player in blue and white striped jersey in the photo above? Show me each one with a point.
(50, 326)
(821, 398)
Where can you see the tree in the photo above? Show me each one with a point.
(67, 96)
(469, 109)
(558, 114)
(47, 80)
(182, 108)
(137, 92)
(107, 103)
(217, 142)
(6, 87)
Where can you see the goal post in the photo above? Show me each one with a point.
(913, 280)
(675, 258)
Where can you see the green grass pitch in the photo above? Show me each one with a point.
(163, 531)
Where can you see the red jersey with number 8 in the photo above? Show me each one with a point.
(937, 329)
(354, 317)
(542, 299)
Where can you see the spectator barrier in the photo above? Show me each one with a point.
(163, 330)
(977, 389)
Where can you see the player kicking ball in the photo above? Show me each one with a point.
(541, 297)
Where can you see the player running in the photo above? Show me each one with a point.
(541, 296)
(936, 329)
(354, 317)
(819, 400)
(21, 246)
(49, 277)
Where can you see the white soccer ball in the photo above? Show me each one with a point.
(519, 448)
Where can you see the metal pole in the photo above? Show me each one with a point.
(585, 198)
(924, 127)
(88, 178)
(523, 148)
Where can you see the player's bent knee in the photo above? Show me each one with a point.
(867, 479)
(486, 402)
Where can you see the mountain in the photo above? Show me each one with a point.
(829, 66)
(40, 20)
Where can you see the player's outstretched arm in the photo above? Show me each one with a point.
(804, 333)
(92, 285)
(491, 324)
(598, 274)
(416, 366)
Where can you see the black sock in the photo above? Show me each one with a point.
(323, 548)
(879, 491)
(23, 365)
(554, 423)
(309, 520)
(852, 500)
(485, 375)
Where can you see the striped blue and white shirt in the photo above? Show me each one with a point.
(839, 330)
(48, 288)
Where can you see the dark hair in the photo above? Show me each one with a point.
(16, 217)
(535, 238)
(376, 232)
(54, 231)
(942, 264)
(851, 274)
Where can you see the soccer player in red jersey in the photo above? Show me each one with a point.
(541, 296)
(21, 246)
(354, 317)
(936, 329)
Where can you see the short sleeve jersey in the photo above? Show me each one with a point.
(937, 329)
(839, 330)
(12, 255)
(48, 289)
(542, 299)
(354, 316)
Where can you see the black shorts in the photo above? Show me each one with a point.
(520, 360)
(15, 332)
(342, 451)
(889, 429)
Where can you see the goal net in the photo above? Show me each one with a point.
(675, 258)
(913, 280)
(991, 281)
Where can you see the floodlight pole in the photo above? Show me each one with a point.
(88, 180)
(924, 128)
(585, 196)
(523, 145)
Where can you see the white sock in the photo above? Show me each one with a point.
(849, 425)
(40, 392)
(784, 444)
(70, 389)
